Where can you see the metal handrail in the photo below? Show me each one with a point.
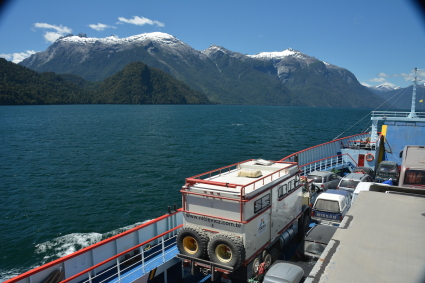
(326, 162)
(88, 270)
(397, 114)
(142, 263)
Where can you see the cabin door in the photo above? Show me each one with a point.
(360, 162)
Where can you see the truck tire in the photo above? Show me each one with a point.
(192, 241)
(226, 249)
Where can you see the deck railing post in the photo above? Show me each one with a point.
(118, 268)
(143, 260)
(89, 276)
(163, 249)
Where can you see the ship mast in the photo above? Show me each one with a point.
(412, 109)
(397, 116)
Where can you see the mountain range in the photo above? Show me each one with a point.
(400, 98)
(288, 77)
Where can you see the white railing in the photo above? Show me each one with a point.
(395, 114)
(323, 151)
(328, 164)
(88, 262)
(136, 265)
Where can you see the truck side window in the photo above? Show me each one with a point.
(282, 190)
(261, 203)
(296, 180)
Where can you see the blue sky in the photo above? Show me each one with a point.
(378, 40)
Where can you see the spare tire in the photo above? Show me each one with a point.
(226, 249)
(192, 241)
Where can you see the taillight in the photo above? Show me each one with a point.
(311, 205)
(340, 217)
(337, 188)
(312, 213)
(322, 185)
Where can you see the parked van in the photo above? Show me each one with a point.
(330, 207)
(412, 173)
(387, 170)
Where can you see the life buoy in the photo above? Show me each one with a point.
(192, 241)
(369, 157)
(226, 249)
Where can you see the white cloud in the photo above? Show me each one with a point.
(100, 27)
(18, 57)
(52, 36)
(383, 75)
(365, 84)
(139, 21)
(378, 80)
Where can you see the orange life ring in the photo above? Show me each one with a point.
(369, 157)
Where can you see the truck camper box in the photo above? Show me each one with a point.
(234, 215)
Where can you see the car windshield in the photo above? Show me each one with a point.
(316, 179)
(348, 184)
(327, 205)
(414, 177)
(387, 168)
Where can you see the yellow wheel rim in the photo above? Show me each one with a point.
(224, 253)
(190, 245)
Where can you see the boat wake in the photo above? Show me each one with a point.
(65, 245)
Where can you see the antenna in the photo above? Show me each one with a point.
(413, 107)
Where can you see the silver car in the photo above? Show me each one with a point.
(324, 180)
(350, 182)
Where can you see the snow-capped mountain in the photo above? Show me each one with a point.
(288, 77)
(383, 87)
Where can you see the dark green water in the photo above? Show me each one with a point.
(73, 175)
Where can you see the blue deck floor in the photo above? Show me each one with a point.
(130, 274)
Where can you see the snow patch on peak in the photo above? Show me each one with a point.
(278, 54)
(383, 87)
(113, 39)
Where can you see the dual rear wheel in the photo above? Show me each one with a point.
(222, 248)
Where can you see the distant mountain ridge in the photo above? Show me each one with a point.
(268, 78)
(401, 98)
(382, 88)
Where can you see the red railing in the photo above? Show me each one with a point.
(319, 145)
(118, 255)
(87, 249)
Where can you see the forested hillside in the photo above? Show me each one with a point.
(136, 84)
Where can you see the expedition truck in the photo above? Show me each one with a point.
(412, 173)
(237, 219)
